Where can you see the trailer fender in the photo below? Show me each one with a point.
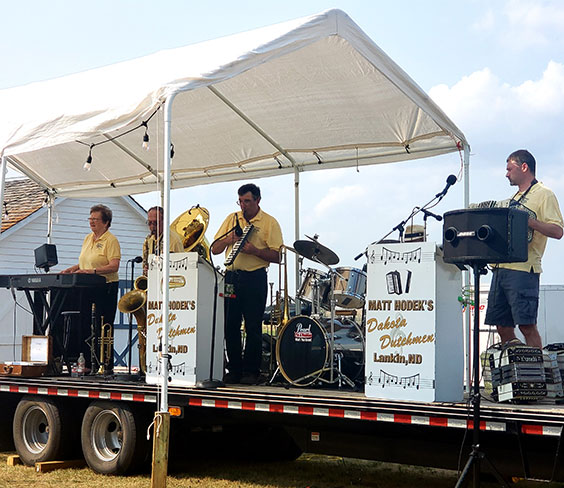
(112, 438)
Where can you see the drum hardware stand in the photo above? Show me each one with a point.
(340, 375)
(477, 455)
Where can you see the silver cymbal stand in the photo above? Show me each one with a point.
(340, 376)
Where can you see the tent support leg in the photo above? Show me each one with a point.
(3, 169)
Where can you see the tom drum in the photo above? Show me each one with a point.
(349, 287)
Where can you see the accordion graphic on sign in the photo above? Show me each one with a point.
(394, 282)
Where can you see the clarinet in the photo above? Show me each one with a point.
(239, 245)
(93, 358)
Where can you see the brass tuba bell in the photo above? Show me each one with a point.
(191, 227)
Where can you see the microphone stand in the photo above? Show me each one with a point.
(401, 226)
(130, 330)
(210, 382)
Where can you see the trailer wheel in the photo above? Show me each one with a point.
(37, 430)
(111, 439)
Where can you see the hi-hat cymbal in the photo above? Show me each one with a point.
(316, 252)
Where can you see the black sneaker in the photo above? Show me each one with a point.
(231, 378)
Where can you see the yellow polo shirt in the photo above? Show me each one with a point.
(266, 234)
(99, 252)
(543, 205)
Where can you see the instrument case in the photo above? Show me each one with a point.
(36, 352)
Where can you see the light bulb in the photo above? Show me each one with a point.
(88, 164)
(145, 144)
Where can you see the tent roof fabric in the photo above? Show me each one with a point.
(308, 94)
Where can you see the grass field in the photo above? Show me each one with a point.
(309, 471)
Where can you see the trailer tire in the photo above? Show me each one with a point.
(38, 430)
(112, 442)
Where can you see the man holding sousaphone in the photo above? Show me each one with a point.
(154, 241)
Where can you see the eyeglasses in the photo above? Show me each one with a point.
(93, 219)
(151, 222)
(243, 202)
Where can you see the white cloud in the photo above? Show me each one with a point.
(336, 197)
(486, 23)
(482, 103)
(534, 22)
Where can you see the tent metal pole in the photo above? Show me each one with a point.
(165, 193)
(50, 218)
(297, 236)
(3, 170)
(466, 274)
(161, 422)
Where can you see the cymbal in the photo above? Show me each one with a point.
(316, 252)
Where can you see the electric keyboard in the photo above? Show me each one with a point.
(50, 281)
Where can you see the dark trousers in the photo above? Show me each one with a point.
(105, 298)
(249, 289)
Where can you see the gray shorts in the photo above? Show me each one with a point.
(513, 298)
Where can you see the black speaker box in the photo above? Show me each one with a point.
(485, 235)
(46, 256)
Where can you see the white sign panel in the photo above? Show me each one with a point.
(191, 292)
(414, 348)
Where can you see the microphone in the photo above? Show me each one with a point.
(238, 228)
(431, 214)
(136, 259)
(451, 180)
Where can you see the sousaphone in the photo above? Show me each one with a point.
(191, 227)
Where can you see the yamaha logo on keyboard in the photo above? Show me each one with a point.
(34, 280)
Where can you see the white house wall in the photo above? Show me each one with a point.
(70, 226)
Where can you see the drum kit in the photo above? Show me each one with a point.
(321, 348)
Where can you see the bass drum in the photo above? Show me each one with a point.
(303, 350)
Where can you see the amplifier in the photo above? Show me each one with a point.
(487, 235)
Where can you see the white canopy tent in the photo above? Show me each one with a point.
(304, 95)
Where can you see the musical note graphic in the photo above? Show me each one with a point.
(386, 379)
(389, 256)
(179, 368)
(180, 264)
(414, 381)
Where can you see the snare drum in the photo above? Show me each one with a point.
(349, 287)
(315, 281)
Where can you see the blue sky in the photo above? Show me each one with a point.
(496, 68)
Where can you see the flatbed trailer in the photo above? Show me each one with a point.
(274, 422)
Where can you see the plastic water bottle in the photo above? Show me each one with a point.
(81, 364)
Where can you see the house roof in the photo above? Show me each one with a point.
(22, 197)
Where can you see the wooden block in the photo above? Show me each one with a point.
(47, 466)
(14, 460)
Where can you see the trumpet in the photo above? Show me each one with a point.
(106, 348)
